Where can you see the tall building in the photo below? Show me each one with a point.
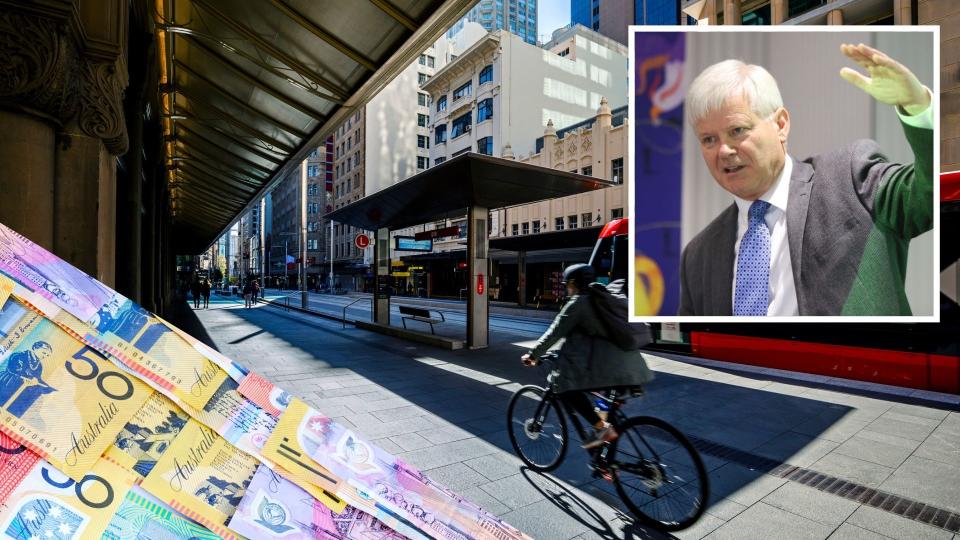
(611, 17)
(501, 92)
(515, 16)
(348, 186)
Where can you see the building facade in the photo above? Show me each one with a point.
(766, 12)
(611, 17)
(499, 95)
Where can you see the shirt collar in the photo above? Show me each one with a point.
(776, 195)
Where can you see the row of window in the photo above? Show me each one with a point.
(572, 222)
(464, 123)
(427, 60)
(616, 170)
(466, 89)
(344, 146)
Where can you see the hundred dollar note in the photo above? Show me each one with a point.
(391, 482)
(202, 476)
(274, 507)
(58, 396)
(48, 504)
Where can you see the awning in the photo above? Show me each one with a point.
(447, 190)
(249, 89)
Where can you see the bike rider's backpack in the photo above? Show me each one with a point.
(610, 303)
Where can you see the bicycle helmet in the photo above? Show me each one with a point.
(581, 275)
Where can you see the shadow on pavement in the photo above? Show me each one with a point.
(468, 392)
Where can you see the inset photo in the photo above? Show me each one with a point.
(784, 174)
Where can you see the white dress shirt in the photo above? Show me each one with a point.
(782, 290)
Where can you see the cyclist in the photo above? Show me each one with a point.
(587, 360)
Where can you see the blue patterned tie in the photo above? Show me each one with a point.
(753, 265)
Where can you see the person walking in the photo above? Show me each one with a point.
(247, 290)
(256, 290)
(588, 359)
(205, 291)
(195, 292)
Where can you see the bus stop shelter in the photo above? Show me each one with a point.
(470, 184)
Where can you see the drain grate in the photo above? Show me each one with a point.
(882, 500)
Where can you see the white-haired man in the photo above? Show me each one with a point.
(824, 236)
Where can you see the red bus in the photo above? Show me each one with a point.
(924, 356)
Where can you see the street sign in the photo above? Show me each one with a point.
(361, 241)
(406, 243)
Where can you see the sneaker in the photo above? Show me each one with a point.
(600, 436)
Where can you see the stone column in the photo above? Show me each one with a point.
(731, 12)
(62, 77)
(835, 17)
(778, 11)
(902, 13)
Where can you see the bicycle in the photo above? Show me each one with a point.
(651, 464)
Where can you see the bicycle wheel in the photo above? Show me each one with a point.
(658, 474)
(538, 428)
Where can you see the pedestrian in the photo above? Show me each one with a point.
(205, 291)
(195, 291)
(588, 358)
(247, 291)
(256, 290)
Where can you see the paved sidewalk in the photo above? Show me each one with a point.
(787, 459)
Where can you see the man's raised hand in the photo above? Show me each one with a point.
(889, 82)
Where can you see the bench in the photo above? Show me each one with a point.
(422, 315)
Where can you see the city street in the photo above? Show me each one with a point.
(799, 457)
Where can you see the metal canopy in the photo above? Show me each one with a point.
(570, 238)
(448, 189)
(248, 89)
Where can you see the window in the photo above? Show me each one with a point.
(356, 159)
(442, 103)
(349, 183)
(558, 224)
(526, 227)
(423, 162)
(571, 222)
(440, 134)
(616, 171)
(313, 170)
(423, 120)
(423, 141)
(463, 91)
(536, 226)
(515, 229)
(438, 161)
(461, 125)
(423, 100)
(485, 146)
(586, 219)
(616, 213)
(485, 110)
(486, 74)
(422, 78)
(587, 171)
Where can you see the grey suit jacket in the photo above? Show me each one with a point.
(850, 217)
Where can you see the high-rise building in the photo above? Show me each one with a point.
(515, 16)
(611, 17)
(501, 77)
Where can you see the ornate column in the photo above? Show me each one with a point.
(62, 77)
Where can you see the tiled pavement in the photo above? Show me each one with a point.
(444, 411)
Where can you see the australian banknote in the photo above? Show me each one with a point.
(58, 396)
(142, 516)
(49, 504)
(274, 507)
(202, 476)
(393, 484)
(16, 462)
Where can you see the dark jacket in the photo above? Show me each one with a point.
(589, 361)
